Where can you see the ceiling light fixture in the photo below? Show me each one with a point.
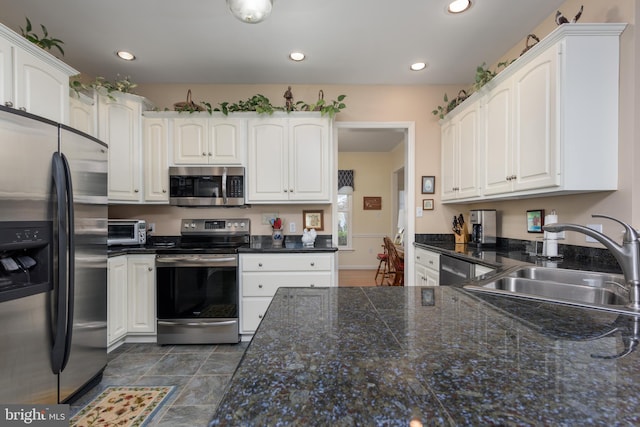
(459, 6)
(250, 11)
(127, 56)
(297, 56)
(418, 66)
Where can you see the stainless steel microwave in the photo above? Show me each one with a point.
(206, 186)
(127, 232)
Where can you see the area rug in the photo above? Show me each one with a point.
(122, 406)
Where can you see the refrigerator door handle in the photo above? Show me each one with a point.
(60, 292)
(71, 260)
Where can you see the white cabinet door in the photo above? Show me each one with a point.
(427, 267)
(498, 149)
(116, 299)
(141, 294)
(6, 73)
(40, 88)
(449, 161)
(190, 141)
(468, 141)
(309, 160)
(227, 141)
(534, 123)
(289, 159)
(119, 126)
(460, 148)
(268, 151)
(83, 113)
(156, 163)
(206, 140)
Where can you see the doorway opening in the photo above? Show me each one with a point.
(380, 154)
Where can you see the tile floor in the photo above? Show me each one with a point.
(199, 372)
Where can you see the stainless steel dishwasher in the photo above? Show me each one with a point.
(454, 270)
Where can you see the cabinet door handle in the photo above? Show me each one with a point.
(136, 191)
(285, 190)
(8, 104)
(210, 154)
(260, 286)
(164, 191)
(291, 190)
(259, 316)
(204, 154)
(150, 268)
(313, 264)
(259, 264)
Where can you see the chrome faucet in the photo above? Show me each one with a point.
(627, 254)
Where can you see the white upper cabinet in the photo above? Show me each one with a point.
(543, 125)
(155, 155)
(289, 160)
(460, 145)
(32, 79)
(208, 140)
(120, 126)
(83, 113)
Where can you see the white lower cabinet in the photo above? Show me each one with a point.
(427, 267)
(131, 297)
(262, 274)
(116, 299)
(141, 294)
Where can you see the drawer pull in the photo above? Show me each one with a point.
(259, 264)
(259, 316)
(260, 286)
(313, 264)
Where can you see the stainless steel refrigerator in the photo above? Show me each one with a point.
(53, 260)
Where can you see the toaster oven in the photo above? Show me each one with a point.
(129, 232)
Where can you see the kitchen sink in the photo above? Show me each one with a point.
(574, 287)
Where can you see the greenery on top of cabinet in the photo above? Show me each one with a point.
(45, 42)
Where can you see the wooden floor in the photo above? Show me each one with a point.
(357, 278)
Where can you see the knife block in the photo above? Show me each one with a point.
(463, 237)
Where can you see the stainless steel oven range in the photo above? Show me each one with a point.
(197, 283)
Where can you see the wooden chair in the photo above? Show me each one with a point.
(383, 266)
(396, 264)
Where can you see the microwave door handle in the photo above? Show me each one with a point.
(224, 186)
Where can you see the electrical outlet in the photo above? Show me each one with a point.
(151, 227)
(595, 227)
(419, 212)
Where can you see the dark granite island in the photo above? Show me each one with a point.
(385, 356)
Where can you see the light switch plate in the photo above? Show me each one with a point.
(419, 212)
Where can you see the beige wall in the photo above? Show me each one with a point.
(372, 177)
(414, 104)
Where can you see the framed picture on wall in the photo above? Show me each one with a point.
(313, 219)
(371, 203)
(427, 204)
(535, 220)
(428, 184)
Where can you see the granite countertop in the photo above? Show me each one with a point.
(441, 355)
(500, 256)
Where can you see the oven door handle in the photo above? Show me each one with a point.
(223, 323)
(198, 260)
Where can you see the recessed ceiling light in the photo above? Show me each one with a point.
(459, 6)
(418, 66)
(127, 56)
(297, 56)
